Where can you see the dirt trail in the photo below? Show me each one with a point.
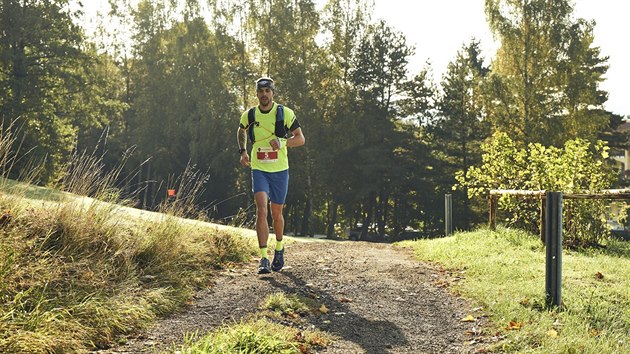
(380, 301)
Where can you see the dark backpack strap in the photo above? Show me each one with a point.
(281, 130)
(251, 118)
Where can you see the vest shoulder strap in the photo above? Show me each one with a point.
(251, 118)
(280, 129)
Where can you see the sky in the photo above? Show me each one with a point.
(439, 28)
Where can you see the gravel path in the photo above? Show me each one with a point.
(380, 300)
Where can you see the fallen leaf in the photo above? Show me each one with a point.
(318, 341)
(299, 337)
(323, 309)
(303, 348)
(441, 283)
(468, 318)
(599, 275)
(345, 299)
(594, 332)
(513, 325)
(552, 333)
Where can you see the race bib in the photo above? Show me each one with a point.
(266, 155)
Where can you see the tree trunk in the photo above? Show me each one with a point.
(306, 223)
(383, 210)
(307, 228)
(370, 204)
(332, 218)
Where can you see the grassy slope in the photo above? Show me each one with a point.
(76, 273)
(504, 272)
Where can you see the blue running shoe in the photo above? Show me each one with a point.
(278, 260)
(264, 268)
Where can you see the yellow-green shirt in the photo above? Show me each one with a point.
(262, 157)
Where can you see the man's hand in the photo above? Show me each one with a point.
(276, 144)
(245, 159)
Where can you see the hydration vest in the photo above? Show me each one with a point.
(280, 130)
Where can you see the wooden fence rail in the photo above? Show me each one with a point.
(495, 194)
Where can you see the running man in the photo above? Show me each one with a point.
(266, 127)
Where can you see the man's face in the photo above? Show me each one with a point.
(265, 96)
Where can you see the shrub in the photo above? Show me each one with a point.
(578, 167)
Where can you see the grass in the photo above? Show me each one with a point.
(504, 273)
(72, 278)
(78, 271)
(276, 329)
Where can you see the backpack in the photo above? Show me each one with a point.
(280, 130)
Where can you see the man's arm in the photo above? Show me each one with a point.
(241, 138)
(294, 141)
(297, 139)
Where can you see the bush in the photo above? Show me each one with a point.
(578, 167)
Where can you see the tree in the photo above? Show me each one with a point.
(40, 77)
(379, 73)
(461, 126)
(544, 82)
(344, 23)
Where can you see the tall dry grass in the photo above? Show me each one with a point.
(78, 273)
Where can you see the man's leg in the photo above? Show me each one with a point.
(278, 220)
(262, 226)
(278, 186)
(278, 228)
(262, 230)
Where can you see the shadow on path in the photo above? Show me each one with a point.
(373, 336)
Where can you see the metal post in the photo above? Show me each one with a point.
(553, 238)
(448, 211)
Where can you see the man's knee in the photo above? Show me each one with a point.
(261, 211)
(277, 217)
(276, 211)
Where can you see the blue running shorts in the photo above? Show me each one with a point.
(275, 184)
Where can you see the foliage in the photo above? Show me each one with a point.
(48, 82)
(461, 126)
(579, 167)
(167, 80)
(544, 85)
(503, 272)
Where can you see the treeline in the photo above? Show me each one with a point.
(161, 85)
